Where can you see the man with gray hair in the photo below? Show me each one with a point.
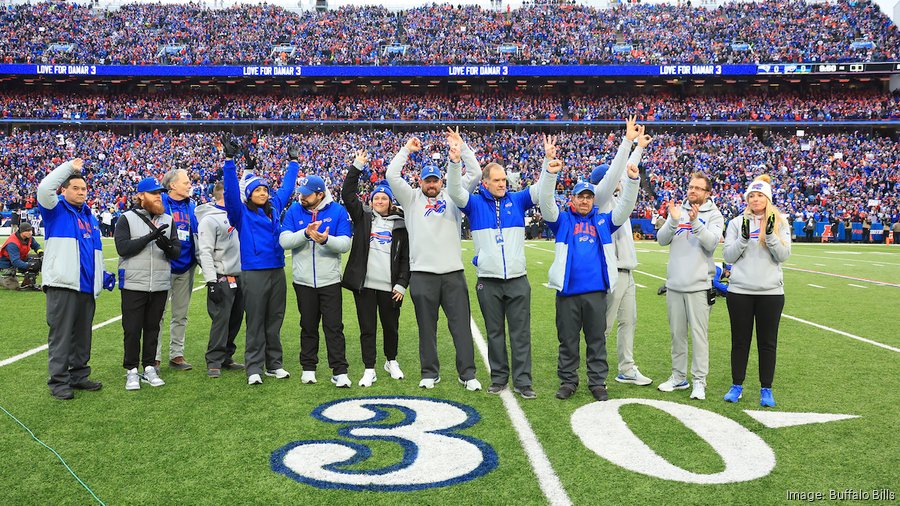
(178, 205)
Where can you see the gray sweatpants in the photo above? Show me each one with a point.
(448, 291)
(179, 303)
(622, 307)
(587, 311)
(689, 309)
(503, 301)
(70, 315)
(264, 300)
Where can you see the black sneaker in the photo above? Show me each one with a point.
(599, 393)
(233, 366)
(526, 392)
(87, 384)
(496, 388)
(64, 394)
(180, 365)
(565, 392)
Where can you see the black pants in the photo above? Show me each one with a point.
(575, 313)
(226, 317)
(315, 305)
(766, 311)
(369, 305)
(503, 301)
(70, 315)
(141, 313)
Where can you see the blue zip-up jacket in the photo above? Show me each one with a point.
(257, 232)
(313, 264)
(498, 226)
(585, 259)
(184, 219)
(73, 257)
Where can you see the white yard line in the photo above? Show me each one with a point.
(852, 278)
(43, 347)
(821, 265)
(814, 286)
(823, 327)
(841, 332)
(857, 286)
(879, 263)
(548, 480)
(639, 285)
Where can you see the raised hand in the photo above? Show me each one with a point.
(695, 210)
(249, 160)
(631, 128)
(78, 165)
(230, 147)
(361, 158)
(293, 152)
(633, 171)
(455, 152)
(413, 145)
(745, 228)
(555, 166)
(770, 224)
(453, 137)
(643, 139)
(549, 146)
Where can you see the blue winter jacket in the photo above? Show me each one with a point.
(184, 219)
(257, 232)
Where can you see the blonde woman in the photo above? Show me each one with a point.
(756, 243)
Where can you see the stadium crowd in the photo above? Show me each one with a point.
(845, 105)
(824, 176)
(194, 34)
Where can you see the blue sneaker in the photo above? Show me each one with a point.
(734, 393)
(765, 398)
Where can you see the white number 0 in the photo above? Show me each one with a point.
(434, 453)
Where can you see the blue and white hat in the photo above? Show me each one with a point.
(310, 185)
(761, 187)
(583, 186)
(598, 173)
(252, 183)
(430, 171)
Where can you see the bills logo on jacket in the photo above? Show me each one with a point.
(756, 187)
(686, 227)
(436, 207)
(383, 237)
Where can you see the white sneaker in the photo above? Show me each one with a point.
(254, 379)
(635, 378)
(472, 385)
(132, 380)
(673, 384)
(150, 376)
(341, 381)
(393, 368)
(279, 374)
(368, 378)
(429, 383)
(699, 391)
(308, 377)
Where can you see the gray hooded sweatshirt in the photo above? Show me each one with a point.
(691, 247)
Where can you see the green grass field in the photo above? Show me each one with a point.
(203, 441)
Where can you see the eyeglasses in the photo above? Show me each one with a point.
(698, 188)
(584, 196)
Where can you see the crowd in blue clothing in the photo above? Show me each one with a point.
(825, 176)
(658, 106)
(738, 32)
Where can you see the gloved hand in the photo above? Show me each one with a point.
(745, 228)
(293, 152)
(770, 224)
(164, 243)
(40, 253)
(249, 161)
(230, 147)
(34, 265)
(109, 281)
(156, 234)
(214, 292)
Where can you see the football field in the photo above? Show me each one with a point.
(219, 441)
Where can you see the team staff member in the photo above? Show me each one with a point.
(262, 260)
(377, 271)
(757, 243)
(178, 204)
(146, 243)
(583, 272)
(219, 252)
(317, 231)
(72, 276)
(692, 232)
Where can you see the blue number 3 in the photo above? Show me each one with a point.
(434, 453)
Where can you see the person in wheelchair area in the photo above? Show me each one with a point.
(14, 256)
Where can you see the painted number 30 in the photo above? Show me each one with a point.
(434, 453)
